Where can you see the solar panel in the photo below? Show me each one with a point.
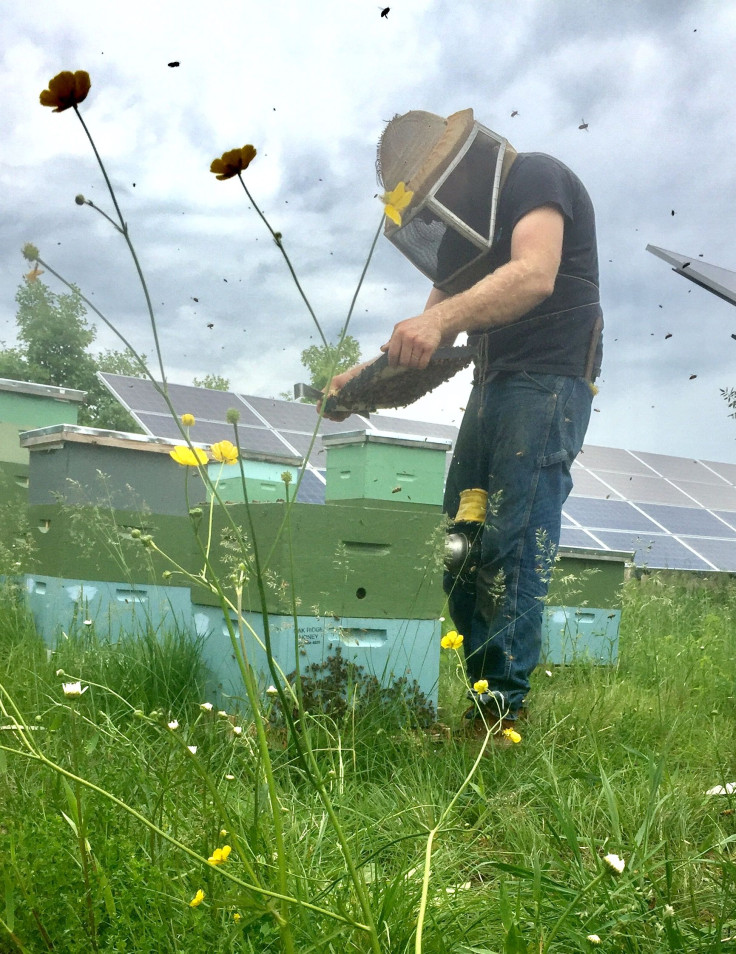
(727, 471)
(727, 516)
(721, 497)
(311, 489)
(587, 484)
(680, 468)
(721, 553)
(611, 459)
(570, 537)
(294, 416)
(611, 514)
(689, 520)
(140, 396)
(302, 442)
(259, 442)
(646, 489)
(720, 281)
(657, 551)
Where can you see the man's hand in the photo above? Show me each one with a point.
(414, 341)
(337, 384)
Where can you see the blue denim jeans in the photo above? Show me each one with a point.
(519, 436)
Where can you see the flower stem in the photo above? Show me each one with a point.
(129, 243)
(38, 756)
(276, 236)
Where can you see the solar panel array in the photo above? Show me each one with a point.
(669, 512)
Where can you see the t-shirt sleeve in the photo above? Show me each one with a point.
(541, 181)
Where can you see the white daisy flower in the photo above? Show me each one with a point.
(73, 690)
(615, 863)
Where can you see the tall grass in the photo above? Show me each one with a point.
(614, 760)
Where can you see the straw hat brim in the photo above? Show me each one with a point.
(440, 157)
(418, 147)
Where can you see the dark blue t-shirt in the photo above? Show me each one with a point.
(555, 337)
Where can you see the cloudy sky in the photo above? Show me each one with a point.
(311, 86)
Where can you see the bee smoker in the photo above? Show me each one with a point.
(463, 541)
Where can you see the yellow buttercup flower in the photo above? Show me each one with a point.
(233, 162)
(512, 735)
(188, 420)
(236, 917)
(66, 89)
(187, 456)
(481, 685)
(396, 200)
(197, 899)
(225, 451)
(220, 855)
(451, 640)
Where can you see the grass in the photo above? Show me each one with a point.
(614, 760)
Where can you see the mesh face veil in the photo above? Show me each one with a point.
(454, 167)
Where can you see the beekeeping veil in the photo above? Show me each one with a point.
(455, 168)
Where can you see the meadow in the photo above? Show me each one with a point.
(139, 816)
(109, 842)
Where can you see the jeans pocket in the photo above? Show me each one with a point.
(569, 422)
(551, 383)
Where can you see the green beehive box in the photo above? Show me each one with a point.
(582, 614)
(365, 466)
(263, 481)
(342, 560)
(86, 466)
(24, 405)
(30, 405)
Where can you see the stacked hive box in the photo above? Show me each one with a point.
(362, 578)
(361, 573)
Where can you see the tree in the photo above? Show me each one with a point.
(323, 363)
(54, 340)
(729, 396)
(215, 382)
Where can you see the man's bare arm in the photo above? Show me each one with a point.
(499, 298)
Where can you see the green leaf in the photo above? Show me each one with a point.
(106, 890)
(72, 824)
(515, 943)
(9, 901)
(71, 799)
(92, 744)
